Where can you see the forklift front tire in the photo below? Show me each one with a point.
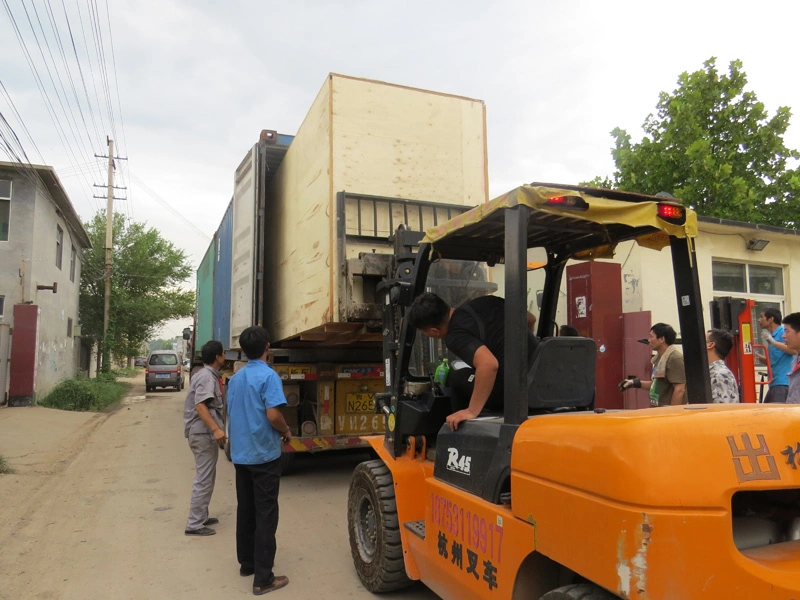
(374, 529)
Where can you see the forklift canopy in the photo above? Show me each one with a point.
(569, 221)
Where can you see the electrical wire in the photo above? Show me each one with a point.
(19, 118)
(166, 205)
(41, 86)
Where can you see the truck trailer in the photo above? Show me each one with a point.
(307, 238)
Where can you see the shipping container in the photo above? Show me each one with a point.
(368, 139)
(205, 297)
(305, 242)
(222, 279)
(251, 178)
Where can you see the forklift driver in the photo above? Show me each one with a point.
(475, 333)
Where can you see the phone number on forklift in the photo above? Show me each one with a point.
(474, 530)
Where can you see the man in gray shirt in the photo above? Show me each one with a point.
(202, 426)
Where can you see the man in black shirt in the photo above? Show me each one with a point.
(475, 332)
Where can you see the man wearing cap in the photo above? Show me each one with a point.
(668, 383)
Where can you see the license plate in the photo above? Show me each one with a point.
(360, 403)
(162, 376)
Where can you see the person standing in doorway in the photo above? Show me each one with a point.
(258, 430)
(668, 383)
(202, 426)
(724, 389)
(780, 355)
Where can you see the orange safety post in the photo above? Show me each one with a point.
(747, 364)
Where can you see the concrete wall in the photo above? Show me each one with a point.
(32, 248)
(16, 252)
(58, 353)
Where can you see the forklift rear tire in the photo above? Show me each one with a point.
(579, 591)
(374, 529)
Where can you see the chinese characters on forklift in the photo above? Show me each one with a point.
(460, 530)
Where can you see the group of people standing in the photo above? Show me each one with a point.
(781, 336)
(257, 431)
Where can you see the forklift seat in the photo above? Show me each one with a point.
(562, 374)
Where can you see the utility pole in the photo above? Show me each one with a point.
(109, 241)
(109, 232)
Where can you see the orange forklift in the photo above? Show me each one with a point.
(555, 499)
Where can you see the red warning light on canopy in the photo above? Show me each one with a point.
(672, 212)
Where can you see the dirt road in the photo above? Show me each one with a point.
(100, 515)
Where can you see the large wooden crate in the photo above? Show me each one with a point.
(368, 138)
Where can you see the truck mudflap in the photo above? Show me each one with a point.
(322, 443)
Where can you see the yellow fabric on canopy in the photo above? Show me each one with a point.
(640, 213)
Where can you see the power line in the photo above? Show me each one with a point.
(40, 84)
(116, 80)
(19, 118)
(166, 205)
(80, 71)
(61, 101)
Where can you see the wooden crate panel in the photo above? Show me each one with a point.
(372, 138)
(300, 229)
(395, 141)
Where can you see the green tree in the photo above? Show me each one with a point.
(713, 144)
(145, 285)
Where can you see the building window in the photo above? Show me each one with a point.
(761, 283)
(746, 279)
(73, 257)
(59, 244)
(5, 208)
(69, 327)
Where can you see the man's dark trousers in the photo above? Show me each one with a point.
(257, 489)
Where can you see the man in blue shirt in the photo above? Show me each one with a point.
(257, 432)
(780, 355)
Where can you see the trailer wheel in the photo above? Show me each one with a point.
(579, 591)
(374, 529)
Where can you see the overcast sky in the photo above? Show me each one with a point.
(197, 80)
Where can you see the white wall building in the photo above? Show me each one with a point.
(41, 242)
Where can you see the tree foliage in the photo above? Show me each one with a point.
(713, 144)
(145, 284)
